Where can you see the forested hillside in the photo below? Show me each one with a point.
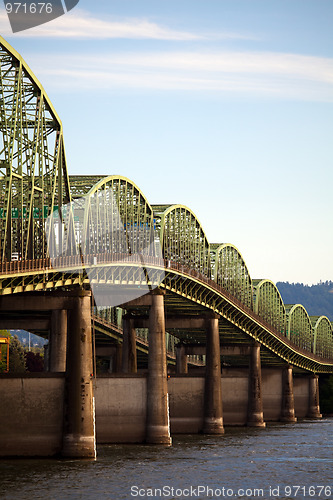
(317, 299)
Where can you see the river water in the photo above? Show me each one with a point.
(283, 461)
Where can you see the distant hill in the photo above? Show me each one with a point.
(317, 299)
(23, 336)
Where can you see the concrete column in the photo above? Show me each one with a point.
(129, 359)
(118, 357)
(58, 341)
(46, 357)
(158, 424)
(255, 414)
(213, 411)
(288, 406)
(79, 428)
(181, 359)
(314, 409)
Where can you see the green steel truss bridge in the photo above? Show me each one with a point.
(198, 277)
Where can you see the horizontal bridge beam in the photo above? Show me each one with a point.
(41, 302)
(25, 324)
(173, 322)
(229, 350)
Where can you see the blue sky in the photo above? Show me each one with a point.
(222, 105)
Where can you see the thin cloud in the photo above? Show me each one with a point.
(298, 66)
(279, 75)
(82, 25)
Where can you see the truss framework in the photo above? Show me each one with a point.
(33, 173)
(231, 273)
(182, 237)
(299, 328)
(34, 187)
(323, 336)
(194, 293)
(269, 305)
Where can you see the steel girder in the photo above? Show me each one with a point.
(131, 231)
(112, 216)
(106, 328)
(182, 237)
(207, 294)
(34, 184)
(323, 336)
(230, 272)
(299, 328)
(33, 173)
(193, 292)
(268, 304)
(81, 184)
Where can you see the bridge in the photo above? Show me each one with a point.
(88, 262)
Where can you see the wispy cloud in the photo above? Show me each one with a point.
(265, 74)
(80, 24)
(269, 74)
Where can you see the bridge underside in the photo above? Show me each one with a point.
(185, 324)
(162, 293)
(47, 215)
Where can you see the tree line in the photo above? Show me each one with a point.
(317, 299)
(21, 360)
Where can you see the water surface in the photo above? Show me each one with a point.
(282, 461)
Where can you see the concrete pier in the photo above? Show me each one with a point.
(118, 357)
(181, 360)
(79, 429)
(58, 341)
(158, 424)
(255, 416)
(314, 409)
(213, 411)
(129, 358)
(288, 404)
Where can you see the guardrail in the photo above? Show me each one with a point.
(65, 263)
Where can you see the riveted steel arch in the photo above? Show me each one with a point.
(33, 173)
(268, 304)
(231, 273)
(182, 237)
(323, 336)
(299, 327)
(117, 218)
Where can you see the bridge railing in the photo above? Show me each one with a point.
(75, 261)
(18, 266)
(64, 263)
(195, 274)
(249, 312)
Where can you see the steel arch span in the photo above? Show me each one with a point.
(182, 237)
(323, 336)
(299, 327)
(112, 216)
(231, 273)
(131, 231)
(268, 304)
(103, 231)
(33, 172)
